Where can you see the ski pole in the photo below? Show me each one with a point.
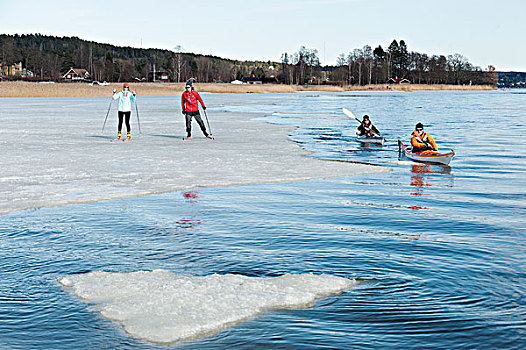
(204, 110)
(138, 121)
(103, 125)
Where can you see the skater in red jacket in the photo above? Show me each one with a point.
(190, 100)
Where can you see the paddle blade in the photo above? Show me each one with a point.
(348, 113)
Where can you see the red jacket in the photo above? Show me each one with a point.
(189, 101)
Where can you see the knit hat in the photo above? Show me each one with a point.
(419, 126)
(189, 83)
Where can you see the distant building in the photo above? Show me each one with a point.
(76, 74)
(397, 80)
(11, 70)
(251, 80)
(163, 77)
(511, 80)
(27, 73)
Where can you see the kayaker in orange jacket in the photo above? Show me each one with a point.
(422, 141)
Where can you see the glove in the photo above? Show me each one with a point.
(204, 108)
(184, 112)
(134, 93)
(114, 91)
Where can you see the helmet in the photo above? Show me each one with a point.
(125, 85)
(366, 117)
(419, 126)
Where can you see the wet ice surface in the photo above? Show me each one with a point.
(164, 307)
(53, 152)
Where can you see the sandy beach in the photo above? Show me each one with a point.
(43, 89)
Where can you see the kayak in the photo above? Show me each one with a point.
(371, 139)
(364, 139)
(426, 156)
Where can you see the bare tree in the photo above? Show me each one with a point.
(368, 60)
(457, 65)
(178, 62)
(357, 56)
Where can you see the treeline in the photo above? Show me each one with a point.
(50, 57)
(512, 80)
(378, 66)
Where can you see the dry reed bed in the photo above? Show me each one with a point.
(30, 89)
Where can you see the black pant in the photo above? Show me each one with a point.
(199, 121)
(121, 116)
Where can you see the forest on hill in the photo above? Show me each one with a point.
(50, 57)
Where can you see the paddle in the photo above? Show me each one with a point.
(351, 115)
(426, 142)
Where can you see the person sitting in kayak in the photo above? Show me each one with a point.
(366, 128)
(422, 141)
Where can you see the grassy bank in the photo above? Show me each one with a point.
(29, 89)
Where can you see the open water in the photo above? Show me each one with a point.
(439, 252)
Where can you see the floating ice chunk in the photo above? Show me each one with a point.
(164, 307)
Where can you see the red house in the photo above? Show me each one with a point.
(75, 74)
(159, 76)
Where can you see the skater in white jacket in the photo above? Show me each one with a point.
(125, 99)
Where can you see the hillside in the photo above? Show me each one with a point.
(49, 57)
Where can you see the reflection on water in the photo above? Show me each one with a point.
(419, 181)
(370, 146)
(423, 178)
(191, 195)
(188, 223)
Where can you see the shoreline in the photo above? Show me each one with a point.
(34, 89)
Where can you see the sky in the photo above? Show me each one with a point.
(486, 32)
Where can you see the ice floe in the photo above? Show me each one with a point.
(164, 307)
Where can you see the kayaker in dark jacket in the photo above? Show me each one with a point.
(422, 141)
(366, 128)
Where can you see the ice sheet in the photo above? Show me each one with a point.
(53, 153)
(164, 307)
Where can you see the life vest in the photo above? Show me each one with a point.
(369, 130)
(422, 142)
